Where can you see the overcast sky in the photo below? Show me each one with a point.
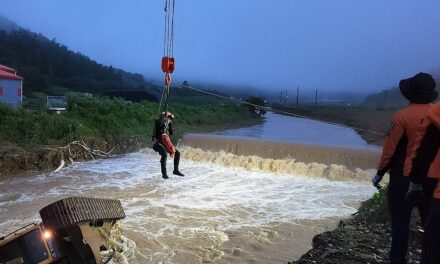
(352, 45)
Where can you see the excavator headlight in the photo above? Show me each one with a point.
(47, 234)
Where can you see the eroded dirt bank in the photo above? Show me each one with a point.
(16, 159)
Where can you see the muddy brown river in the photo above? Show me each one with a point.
(217, 213)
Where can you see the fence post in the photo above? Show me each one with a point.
(316, 98)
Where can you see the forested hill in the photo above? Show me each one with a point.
(50, 67)
(7, 25)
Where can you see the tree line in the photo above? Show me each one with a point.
(49, 67)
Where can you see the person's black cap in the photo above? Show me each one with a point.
(419, 89)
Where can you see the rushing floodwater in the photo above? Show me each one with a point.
(214, 214)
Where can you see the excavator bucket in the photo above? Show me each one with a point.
(73, 230)
(74, 210)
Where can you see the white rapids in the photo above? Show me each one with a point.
(214, 213)
(219, 212)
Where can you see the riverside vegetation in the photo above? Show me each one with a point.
(31, 139)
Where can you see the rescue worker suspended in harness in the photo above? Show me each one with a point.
(162, 144)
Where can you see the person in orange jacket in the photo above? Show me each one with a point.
(425, 173)
(401, 139)
(162, 143)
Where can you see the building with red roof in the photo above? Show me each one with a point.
(11, 86)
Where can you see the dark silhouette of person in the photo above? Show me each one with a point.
(425, 178)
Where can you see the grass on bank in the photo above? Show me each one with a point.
(375, 209)
(112, 119)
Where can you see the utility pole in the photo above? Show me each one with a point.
(297, 96)
(285, 99)
(316, 98)
(281, 97)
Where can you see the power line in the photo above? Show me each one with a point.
(280, 111)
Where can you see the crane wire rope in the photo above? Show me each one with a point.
(161, 100)
(169, 65)
(168, 52)
(281, 112)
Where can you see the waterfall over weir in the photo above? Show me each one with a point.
(331, 162)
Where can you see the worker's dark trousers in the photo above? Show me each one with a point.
(431, 243)
(163, 158)
(400, 212)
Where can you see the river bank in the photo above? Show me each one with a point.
(357, 242)
(93, 128)
(364, 238)
(16, 159)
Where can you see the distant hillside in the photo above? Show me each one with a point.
(391, 98)
(50, 67)
(7, 25)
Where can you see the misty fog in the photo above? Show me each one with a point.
(356, 47)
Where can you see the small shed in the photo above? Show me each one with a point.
(11, 87)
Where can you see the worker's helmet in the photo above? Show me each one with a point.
(168, 114)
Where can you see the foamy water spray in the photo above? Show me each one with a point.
(356, 157)
(287, 166)
(215, 213)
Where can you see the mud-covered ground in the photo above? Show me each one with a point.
(359, 242)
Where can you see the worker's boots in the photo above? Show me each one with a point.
(178, 173)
